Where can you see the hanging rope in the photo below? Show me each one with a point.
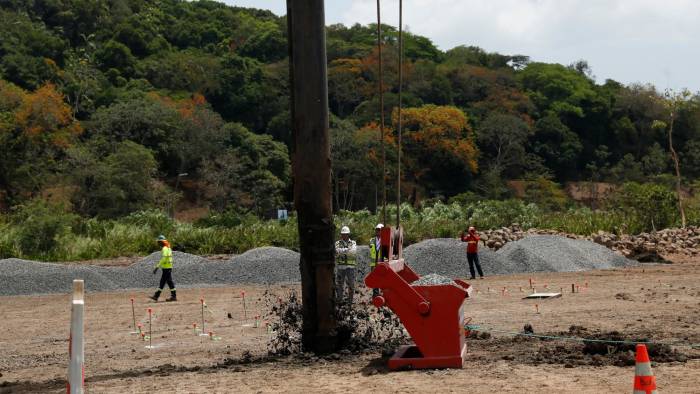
(398, 172)
(381, 109)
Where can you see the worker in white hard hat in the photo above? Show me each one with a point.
(375, 251)
(345, 260)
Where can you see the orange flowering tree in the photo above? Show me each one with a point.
(439, 154)
(35, 130)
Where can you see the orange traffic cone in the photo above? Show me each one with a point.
(644, 380)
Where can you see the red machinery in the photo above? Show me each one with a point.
(432, 315)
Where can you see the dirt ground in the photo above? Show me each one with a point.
(655, 302)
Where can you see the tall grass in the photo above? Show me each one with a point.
(230, 233)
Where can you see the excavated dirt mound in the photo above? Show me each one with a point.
(604, 348)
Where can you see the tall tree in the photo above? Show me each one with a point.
(674, 102)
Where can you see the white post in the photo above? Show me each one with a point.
(76, 368)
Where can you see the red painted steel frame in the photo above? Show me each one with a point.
(432, 315)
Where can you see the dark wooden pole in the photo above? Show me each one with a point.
(311, 161)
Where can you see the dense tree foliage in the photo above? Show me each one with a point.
(116, 102)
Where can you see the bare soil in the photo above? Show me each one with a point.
(649, 302)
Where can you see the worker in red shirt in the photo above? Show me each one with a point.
(472, 240)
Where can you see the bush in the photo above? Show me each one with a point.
(42, 231)
(585, 221)
(228, 219)
(546, 194)
(494, 214)
(39, 227)
(157, 222)
(8, 235)
(647, 206)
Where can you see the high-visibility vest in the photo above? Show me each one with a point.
(166, 260)
(345, 258)
(374, 254)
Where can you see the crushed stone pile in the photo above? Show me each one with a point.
(433, 280)
(537, 253)
(20, 277)
(550, 253)
(263, 265)
(443, 257)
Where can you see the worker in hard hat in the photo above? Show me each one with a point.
(375, 252)
(472, 240)
(166, 265)
(345, 259)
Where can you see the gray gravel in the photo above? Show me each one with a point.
(445, 258)
(28, 277)
(433, 280)
(538, 253)
(550, 253)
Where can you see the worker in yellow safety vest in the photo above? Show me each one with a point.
(166, 265)
(375, 252)
(345, 259)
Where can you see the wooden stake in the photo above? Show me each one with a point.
(133, 313)
(201, 301)
(150, 331)
(245, 311)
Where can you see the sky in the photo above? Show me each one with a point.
(630, 41)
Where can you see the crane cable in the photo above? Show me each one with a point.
(381, 112)
(398, 176)
(381, 109)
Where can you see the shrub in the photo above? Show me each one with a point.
(494, 214)
(653, 206)
(545, 193)
(156, 221)
(39, 227)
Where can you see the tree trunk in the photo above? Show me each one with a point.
(311, 161)
(674, 156)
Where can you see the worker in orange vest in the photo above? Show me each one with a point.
(472, 240)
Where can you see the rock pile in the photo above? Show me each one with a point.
(497, 238)
(667, 241)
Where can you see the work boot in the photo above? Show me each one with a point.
(155, 296)
(172, 298)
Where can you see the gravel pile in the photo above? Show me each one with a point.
(433, 280)
(18, 277)
(550, 253)
(443, 258)
(262, 265)
(188, 268)
(537, 253)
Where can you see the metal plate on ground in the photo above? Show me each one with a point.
(542, 295)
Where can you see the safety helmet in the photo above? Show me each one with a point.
(345, 230)
(161, 237)
(379, 226)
